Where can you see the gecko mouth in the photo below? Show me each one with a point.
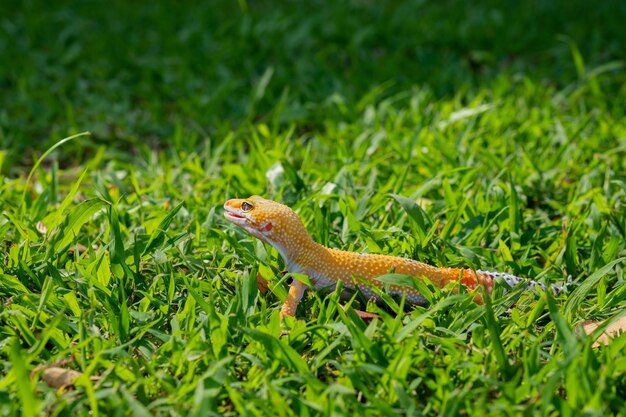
(232, 216)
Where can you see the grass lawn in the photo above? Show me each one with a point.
(489, 136)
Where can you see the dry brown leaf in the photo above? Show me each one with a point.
(58, 377)
(41, 228)
(613, 330)
(261, 283)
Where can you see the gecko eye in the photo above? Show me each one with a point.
(245, 206)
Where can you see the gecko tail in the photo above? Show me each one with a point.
(532, 285)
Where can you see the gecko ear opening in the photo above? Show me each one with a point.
(268, 226)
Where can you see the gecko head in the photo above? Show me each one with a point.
(267, 220)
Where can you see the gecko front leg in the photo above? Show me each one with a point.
(296, 291)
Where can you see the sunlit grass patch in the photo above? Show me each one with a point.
(438, 145)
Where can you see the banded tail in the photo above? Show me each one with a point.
(489, 279)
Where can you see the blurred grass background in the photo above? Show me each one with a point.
(155, 72)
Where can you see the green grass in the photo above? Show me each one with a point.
(480, 136)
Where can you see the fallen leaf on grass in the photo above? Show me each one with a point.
(612, 330)
(261, 283)
(41, 228)
(58, 377)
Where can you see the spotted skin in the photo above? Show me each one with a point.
(280, 226)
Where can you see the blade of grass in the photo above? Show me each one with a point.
(29, 402)
(38, 162)
(80, 215)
